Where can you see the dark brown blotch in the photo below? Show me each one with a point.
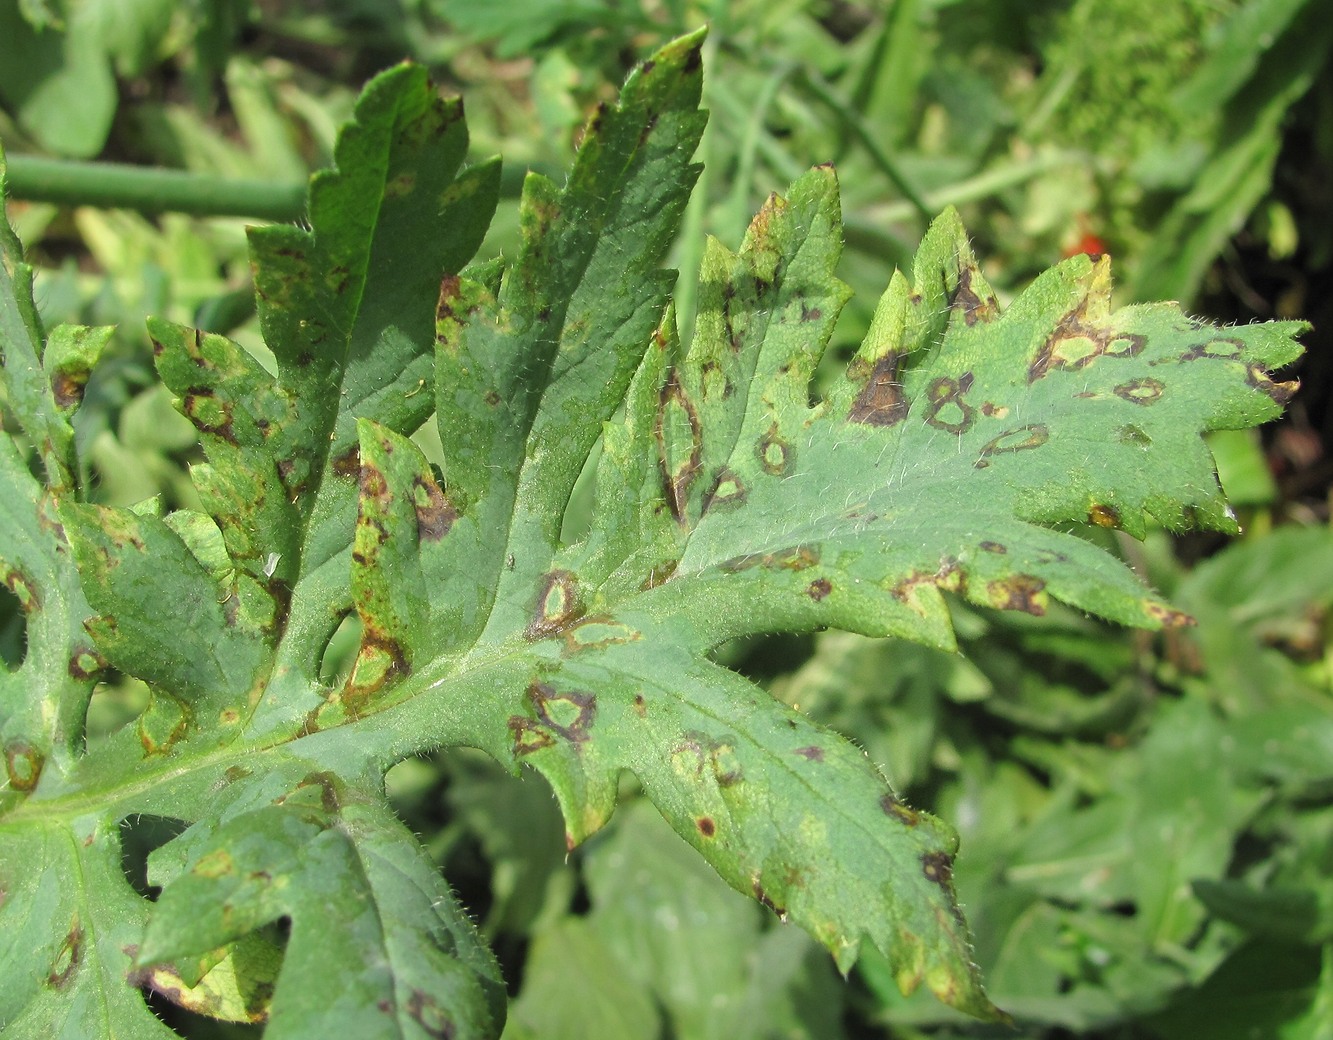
(819, 589)
(1022, 438)
(774, 453)
(348, 464)
(938, 868)
(568, 714)
(381, 659)
(66, 961)
(433, 1019)
(793, 558)
(811, 753)
(706, 826)
(23, 765)
(435, 513)
(67, 388)
(975, 308)
(763, 897)
(897, 810)
(1144, 391)
(1280, 393)
(726, 490)
(948, 411)
(1104, 515)
(22, 588)
(209, 413)
(993, 547)
(1023, 592)
(558, 605)
(327, 785)
(85, 663)
(881, 401)
(678, 477)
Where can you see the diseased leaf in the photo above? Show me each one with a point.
(954, 455)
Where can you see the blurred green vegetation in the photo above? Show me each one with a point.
(1147, 821)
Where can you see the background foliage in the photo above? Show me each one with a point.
(1147, 821)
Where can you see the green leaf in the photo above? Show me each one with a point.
(59, 82)
(403, 961)
(954, 455)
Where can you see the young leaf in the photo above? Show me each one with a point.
(959, 443)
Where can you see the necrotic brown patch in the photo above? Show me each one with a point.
(558, 606)
(1023, 592)
(938, 867)
(894, 808)
(435, 514)
(818, 589)
(881, 401)
(706, 826)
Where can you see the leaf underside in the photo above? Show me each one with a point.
(957, 453)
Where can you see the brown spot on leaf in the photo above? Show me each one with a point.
(975, 308)
(527, 735)
(677, 476)
(1023, 592)
(558, 605)
(727, 490)
(793, 558)
(900, 812)
(1022, 438)
(948, 411)
(763, 898)
(435, 514)
(450, 291)
(348, 464)
(881, 401)
(810, 313)
(85, 664)
(811, 753)
(67, 388)
(774, 453)
(433, 1019)
(1076, 343)
(209, 413)
(993, 547)
(706, 826)
(697, 751)
(23, 765)
(818, 589)
(1141, 391)
(22, 587)
(640, 706)
(1168, 617)
(381, 659)
(1221, 347)
(1104, 515)
(938, 868)
(1281, 393)
(66, 961)
(566, 715)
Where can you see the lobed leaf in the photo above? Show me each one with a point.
(955, 455)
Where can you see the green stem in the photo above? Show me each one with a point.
(150, 189)
(825, 94)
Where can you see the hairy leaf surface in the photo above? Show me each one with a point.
(957, 453)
